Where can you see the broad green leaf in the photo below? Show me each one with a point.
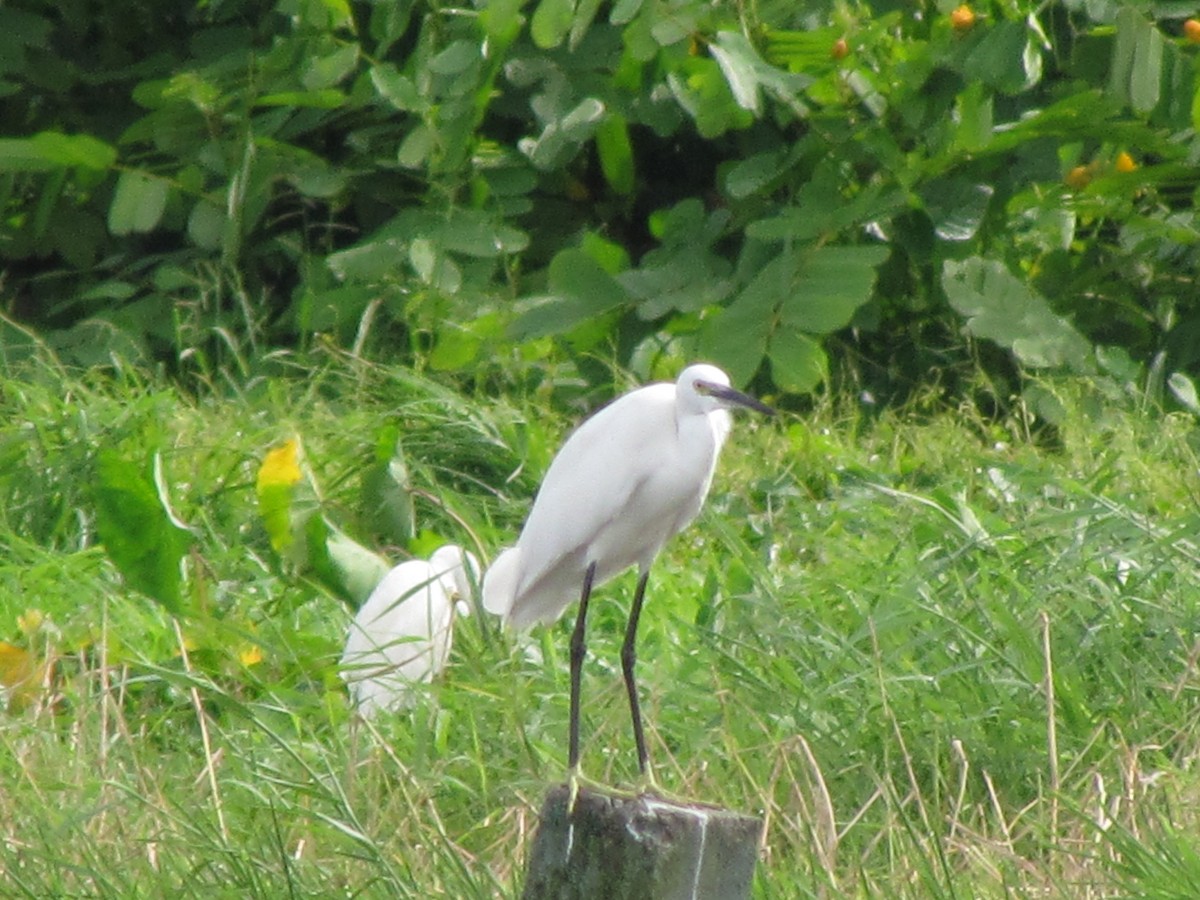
(581, 22)
(1000, 308)
(50, 150)
(1146, 77)
(375, 260)
(416, 147)
(736, 337)
(956, 206)
(501, 20)
(323, 72)
(623, 11)
(138, 203)
(747, 72)
(206, 225)
(798, 362)
(454, 348)
(140, 534)
(828, 287)
(739, 72)
(1184, 390)
(609, 255)
(999, 60)
(1137, 60)
(550, 23)
(397, 89)
(456, 58)
(974, 107)
(75, 150)
(388, 491)
(756, 173)
(580, 290)
(344, 566)
(615, 153)
(21, 155)
(350, 568)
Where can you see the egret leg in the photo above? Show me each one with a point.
(577, 651)
(628, 662)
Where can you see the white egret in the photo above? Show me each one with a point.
(401, 636)
(628, 479)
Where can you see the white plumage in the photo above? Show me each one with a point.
(627, 480)
(402, 634)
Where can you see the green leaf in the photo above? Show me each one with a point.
(615, 153)
(81, 150)
(956, 206)
(397, 89)
(387, 498)
(50, 150)
(323, 72)
(747, 72)
(141, 536)
(830, 285)
(138, 203)
(206, 225)
(975, 122)
(580, 290)
(736, 337)
(798, 362)
(346, 566)
(1000, 308)
(756, 173)
(1000, 60)
(456, 58)
(1137, 60)
(328, 98)
(550, 23)
(1184, 390)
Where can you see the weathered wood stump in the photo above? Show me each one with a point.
(639, 848)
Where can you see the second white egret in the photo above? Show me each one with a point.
(628, 479)
(402, 634)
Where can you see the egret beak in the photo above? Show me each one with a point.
(733, 397)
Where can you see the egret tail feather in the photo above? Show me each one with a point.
(500, 583)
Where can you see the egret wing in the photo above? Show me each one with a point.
(590, 483)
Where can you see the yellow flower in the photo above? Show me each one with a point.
(963, 18)
(1125, 162)
(250, 655)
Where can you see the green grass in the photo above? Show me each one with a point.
(940, 658)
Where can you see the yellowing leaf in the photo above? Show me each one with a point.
(278, 475)
(16, 664)
(281, 465)
(22, 675)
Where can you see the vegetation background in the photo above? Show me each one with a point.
(292, 289)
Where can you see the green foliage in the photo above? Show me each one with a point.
(781, 182)
(140, 533)
(936, 657)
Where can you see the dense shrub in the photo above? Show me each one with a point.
(765, 185)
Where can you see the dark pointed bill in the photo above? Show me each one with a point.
(734, 397)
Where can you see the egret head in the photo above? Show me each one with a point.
(703, 388)
(457, 570)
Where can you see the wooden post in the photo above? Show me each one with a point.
(640, 848)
